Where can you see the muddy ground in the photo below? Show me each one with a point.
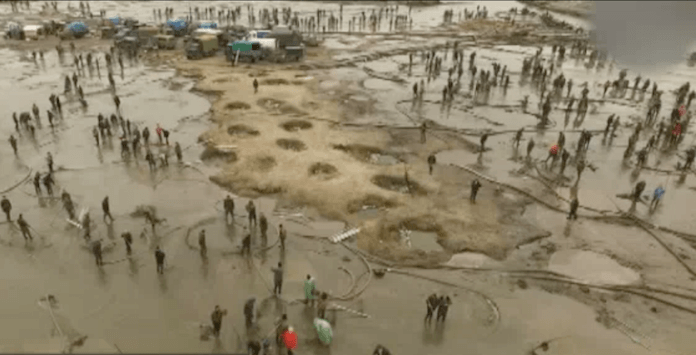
(323, 146)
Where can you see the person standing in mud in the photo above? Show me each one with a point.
(580, 166)
(158, 130)
(201, 243)
(423, 128)
(256, 86)
(49, 162)
(518, 138)
(107, 210)
(484, 138)
(246, 243)
(657, 197)
(6, 206)
(37, 183)
(177, 151)
(445, 302)
(112, 83)
(475, 186)
(95, 133)
(263, 225)
(573, 214)
(216, 318)
(128, 240)
(150, 160)
(68, 85)
(432, 303)
(228, 205)
(97, 251)
(564, 160)
(530, 147)
(166, 136)
(159, 259)
(24, 228)
(251, 212)
(13, 143)
(277, 278)
(431, 163)
(146, 136)
(638, 191)
(48, 183)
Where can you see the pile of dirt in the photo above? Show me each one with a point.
(242, 130)
(322, 169)
(274, 82)
(398, 184)
(291, 144)
(263, 163)
(359, 151)
(296, 125)
(211, 152)
(237, 105)
(368, 202)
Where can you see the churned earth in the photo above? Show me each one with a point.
(323, 146)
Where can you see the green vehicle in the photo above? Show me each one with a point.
(246, 50)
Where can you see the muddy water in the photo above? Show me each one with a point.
(131, 306)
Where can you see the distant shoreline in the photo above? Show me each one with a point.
(579, 9)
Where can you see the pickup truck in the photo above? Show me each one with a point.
(203, 46)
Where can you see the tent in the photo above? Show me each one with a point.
(323, 330)
(115, 20)
(78, 29)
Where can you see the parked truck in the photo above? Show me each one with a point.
(244, 50)
(203, 46)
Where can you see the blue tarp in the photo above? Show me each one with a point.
(177, 25)
(77, 28)
(262, 34)
(208, 25)
(115, 20)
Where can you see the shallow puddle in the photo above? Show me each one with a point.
(426, 241)
(591, 267)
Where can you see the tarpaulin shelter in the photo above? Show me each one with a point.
(78, 29)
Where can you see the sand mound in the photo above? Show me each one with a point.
(398, 184)
(237, 105)
(319, 169)
(242, 130)
(296, 125)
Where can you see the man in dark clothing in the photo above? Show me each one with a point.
(256, 86)
(106, 209)
(638, 191)
(432, 303)
(146, 135)
(277, 277)
(282, 234)
(13, 143)
(159, 258)
(530, 146)
(177, 151)
(6, 207)
(445, 302)
(228, 204)
(253, 347)
(423, 128)
(573, 209)
(251, 211)
(475, 186)
(128, 239)
(49, 161)
(564, 159)
(431, 162)
(216, 317)
(48, 183)
(484, 138)
(263, 225)
(249, 311)
(24, 227)
(166, 136)
(201, 243)
(37, 183)
(690, 155)
(97, 251)
(246, 243)
(150, 160)
(518, 138)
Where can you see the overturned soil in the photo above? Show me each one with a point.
(368, 202)
(242, 130)
(237, 105)
(296, 125)
(212, 153)
(291, 144)
(360, 151)
(319, 169)
(274, 81)
(398, 184)
(279, 106)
